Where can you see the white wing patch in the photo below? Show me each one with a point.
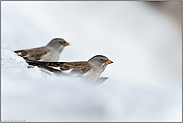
(57, 68)
(19, 53)
(67, 71)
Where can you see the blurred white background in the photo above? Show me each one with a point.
(143, 39)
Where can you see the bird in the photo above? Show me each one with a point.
(90, 70)
(49, 53)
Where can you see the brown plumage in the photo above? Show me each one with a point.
(78, 68)
(32, 54)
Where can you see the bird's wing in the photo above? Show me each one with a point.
(78, 68)
(32, 54)
(75, 68)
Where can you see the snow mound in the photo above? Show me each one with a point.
(31, 95)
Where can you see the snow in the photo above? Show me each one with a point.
(144, 81)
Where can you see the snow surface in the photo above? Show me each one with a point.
(144, 81)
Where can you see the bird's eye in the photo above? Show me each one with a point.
(101, 59)
(59, 42)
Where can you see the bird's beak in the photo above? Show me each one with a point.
(66, 44)
(109, 62)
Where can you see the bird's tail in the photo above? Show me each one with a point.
(45, 66)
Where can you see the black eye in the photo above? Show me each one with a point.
(101, 59)
(59, 42)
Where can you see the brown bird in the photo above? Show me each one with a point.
(90, 69)
(49, 53)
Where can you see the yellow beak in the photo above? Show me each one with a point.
(66, 44)
(109, 62)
